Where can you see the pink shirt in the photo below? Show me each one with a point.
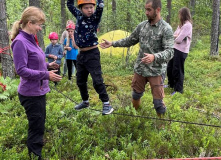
(184, 36)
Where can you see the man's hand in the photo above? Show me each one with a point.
(105, 44)
(148, 58)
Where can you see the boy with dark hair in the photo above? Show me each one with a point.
(155, 3)
(88, 61)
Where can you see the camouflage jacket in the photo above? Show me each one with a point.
(153, 39)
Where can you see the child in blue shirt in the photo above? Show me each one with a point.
(54, 51)
(72, 49)
(88, 61)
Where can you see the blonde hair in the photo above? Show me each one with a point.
(32, 14)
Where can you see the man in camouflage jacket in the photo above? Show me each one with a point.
(155, 37)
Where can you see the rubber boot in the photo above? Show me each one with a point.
(136, 103)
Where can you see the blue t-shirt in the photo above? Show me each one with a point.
(72, 54)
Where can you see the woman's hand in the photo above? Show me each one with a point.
(105, 44)
(54, 77)
(54, 65)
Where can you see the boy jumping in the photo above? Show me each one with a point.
(88, 61)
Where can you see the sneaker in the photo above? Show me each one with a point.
(107, 109)
(82, 105)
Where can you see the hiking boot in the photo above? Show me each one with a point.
(161, 114)
(82, 105)
(107, 109)
(136, 103)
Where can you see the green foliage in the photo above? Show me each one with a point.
(11, 88)
(127, 16)
(89, 135)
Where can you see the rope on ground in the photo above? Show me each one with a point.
(145, 117)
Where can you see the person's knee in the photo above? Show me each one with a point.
(37, 122)
(81, 85)
(99, 86)
(159, 106)
(81, 80)
(136, 95)
(97, 79)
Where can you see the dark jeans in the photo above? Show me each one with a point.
(35, 108)
(69, 65)
(175, 71)
(89, 62)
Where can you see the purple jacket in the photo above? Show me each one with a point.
(30, 65)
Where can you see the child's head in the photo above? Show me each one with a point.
(87, 7)
(69, 22)
(53, 36)
(70, 28)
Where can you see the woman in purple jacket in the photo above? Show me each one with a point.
(182, 39)
(30, 65)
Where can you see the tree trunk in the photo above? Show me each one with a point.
(63, 16)
(129, 27)
(215, 29)
(6, 59)
(192, 7)
(114, 9)
(36, 3)
(169, 10)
